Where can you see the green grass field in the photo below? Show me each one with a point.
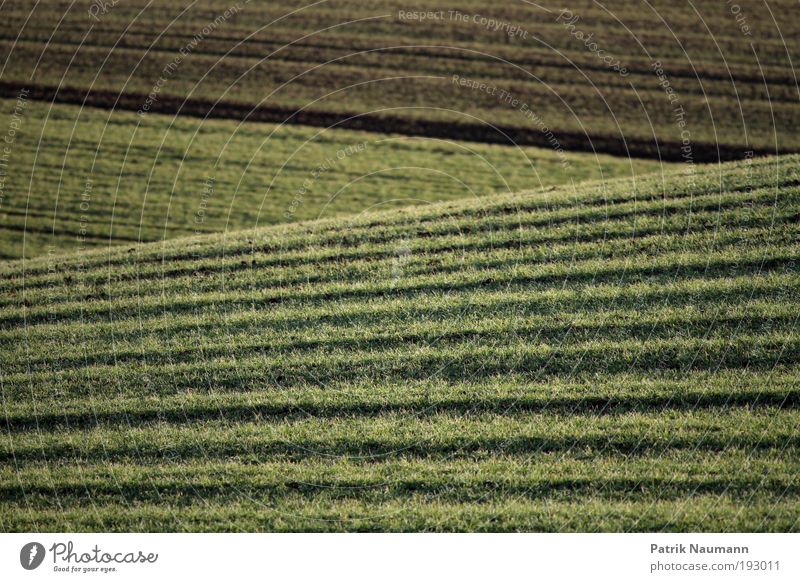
(272, 265)
(736, 85)
(619, 356)
(81, 178)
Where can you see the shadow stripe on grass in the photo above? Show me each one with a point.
(589, 405)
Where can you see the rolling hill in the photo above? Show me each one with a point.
(589, 71)
(619, 356)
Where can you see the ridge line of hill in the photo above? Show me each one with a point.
(306, 226)
(589, 188)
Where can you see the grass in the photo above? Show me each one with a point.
(81, 178)
(618, 356)
(737, 87)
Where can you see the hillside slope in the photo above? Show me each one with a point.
(620, 359)
(587, 69)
